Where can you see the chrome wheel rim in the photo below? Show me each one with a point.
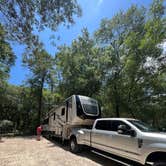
(72, 145)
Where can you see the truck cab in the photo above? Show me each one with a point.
(128, 138)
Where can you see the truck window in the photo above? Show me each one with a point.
(143, 126)
(103, 125)
(116, 123)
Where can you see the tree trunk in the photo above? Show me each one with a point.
(131, 112)
(40, 100)
(117, 101)
(129, 102)
(117, 110)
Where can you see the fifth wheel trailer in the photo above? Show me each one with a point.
(75, 112)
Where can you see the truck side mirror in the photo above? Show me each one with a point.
(120, 132)
(122, 129)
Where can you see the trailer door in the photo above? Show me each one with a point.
(68, 109)
(67, 105)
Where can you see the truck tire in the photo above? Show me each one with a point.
(159, 163)
(74, 147)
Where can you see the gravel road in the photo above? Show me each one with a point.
(27, 151)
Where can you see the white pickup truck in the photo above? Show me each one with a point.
(127, 138)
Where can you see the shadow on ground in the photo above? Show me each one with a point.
(85, 153)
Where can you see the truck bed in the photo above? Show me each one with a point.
(85, 137)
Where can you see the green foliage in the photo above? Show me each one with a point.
(19, 104)
(6, 126)
(21, 18)
(122, 66)
(41, 66)
(22, 21)
(133, 79)
(7, 57)
(9, 103)
(79, 67)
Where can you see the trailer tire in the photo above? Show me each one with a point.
(74, 147)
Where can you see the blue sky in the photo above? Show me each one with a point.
(93, 12)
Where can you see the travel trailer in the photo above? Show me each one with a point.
(75, 112)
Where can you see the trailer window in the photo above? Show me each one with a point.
(45, 121)
(63, 112)
(79, 107)
(54, 116)
(90, 106)
(87, 108)
(90, 109)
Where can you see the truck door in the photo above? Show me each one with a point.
(124, 144)
(101, 136)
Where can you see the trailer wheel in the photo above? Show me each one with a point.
(74, 147)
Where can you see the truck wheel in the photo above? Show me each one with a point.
(159, 163)
(74, 147)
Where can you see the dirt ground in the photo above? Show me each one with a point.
(27, 151)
